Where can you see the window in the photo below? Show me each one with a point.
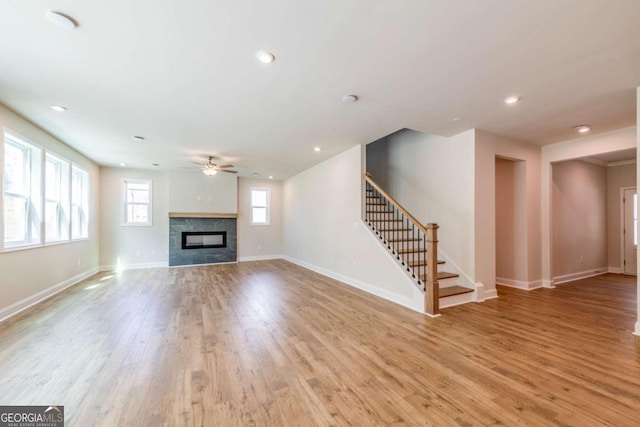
(21, 196)
(79, 203)
(260, 206)
(56, 204)
(137, 202)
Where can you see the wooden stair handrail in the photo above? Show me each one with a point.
(367, 177)
(430, 233)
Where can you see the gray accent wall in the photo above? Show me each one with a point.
(179, 256)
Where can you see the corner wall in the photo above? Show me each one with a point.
(488, 147)
(323, 230)
(30, 275)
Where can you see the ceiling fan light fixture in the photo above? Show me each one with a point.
(209, 171)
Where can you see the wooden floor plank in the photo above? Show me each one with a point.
(269, 343)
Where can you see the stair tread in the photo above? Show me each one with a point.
(423, 263)
(410, 250)
(404, 240)
(380, 212)
(453, 290)
(442, 275)
(385, 220)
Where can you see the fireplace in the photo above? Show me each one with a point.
(204, 239)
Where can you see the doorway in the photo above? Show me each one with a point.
(629, 227)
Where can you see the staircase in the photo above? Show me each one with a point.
(413, 245)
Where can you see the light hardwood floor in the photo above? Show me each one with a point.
(271, 344)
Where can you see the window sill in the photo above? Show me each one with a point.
(21, 247)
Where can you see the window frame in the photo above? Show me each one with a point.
(125, 203)
(63, 201)
(267, 206)
(84, 203)
(34, 197)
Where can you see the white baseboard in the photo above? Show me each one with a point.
(580, 275)
(519, 284)
(615, 270)
(550, 284)
(259, 258)
(374, 290)
(28, 302)
(122, 267)
(483, 293)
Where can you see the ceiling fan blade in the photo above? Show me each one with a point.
(225, 166)
(197, 163)
(224, 170)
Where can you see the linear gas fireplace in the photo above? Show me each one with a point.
(204, 239)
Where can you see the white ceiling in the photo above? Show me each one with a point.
(184, 74)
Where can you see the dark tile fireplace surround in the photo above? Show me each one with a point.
(204, 238)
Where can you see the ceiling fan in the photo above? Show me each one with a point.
(209, 168)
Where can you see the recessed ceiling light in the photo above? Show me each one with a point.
(270, 176)
(457, 118)
(155, 164)
(255, 174)
(123, 164)
(512, 99)
(582, 128)
(137, 138)
(347, 99)
(265, 57)
(61, 20)
(58, 108)
(317, 149)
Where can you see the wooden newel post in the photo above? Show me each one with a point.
(432, 291)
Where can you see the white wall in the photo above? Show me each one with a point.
(259, 241)
(617, 140)
(433, 178)
(130, 247)
(193, 191)
(579, 219)
(26, 276)
(323, 230)
(617, 178)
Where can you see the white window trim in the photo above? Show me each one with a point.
(61, 203)
(123, 205)
(268, 207)
(85, 202)
(4, 247)
(4, 132)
